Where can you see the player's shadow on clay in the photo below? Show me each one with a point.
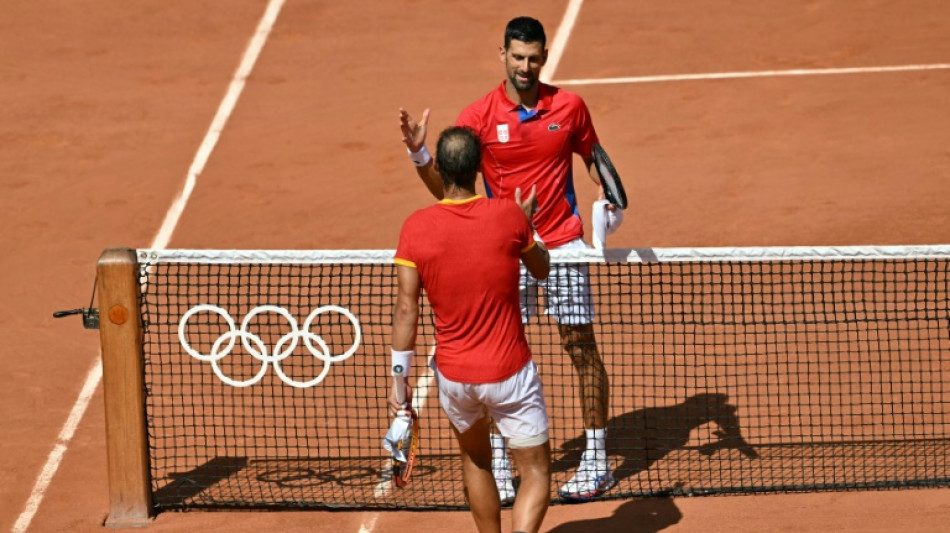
(637, 516)
(645, 436)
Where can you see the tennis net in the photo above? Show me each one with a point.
(731, 371)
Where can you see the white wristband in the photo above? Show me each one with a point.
(401, 361)
(537, 237)
(420, 158)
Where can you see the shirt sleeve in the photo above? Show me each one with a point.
(584, 135)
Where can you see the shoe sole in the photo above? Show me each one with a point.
(587, 496)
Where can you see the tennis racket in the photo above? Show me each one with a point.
(404, 447)
(613, 188)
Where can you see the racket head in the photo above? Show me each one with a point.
(402, 470)
(609, 179)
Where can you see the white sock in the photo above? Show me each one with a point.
(597, 443)
(498, 450)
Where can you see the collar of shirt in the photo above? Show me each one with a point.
(545, 93)
(449, 201)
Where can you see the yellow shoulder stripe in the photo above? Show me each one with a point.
(404, 262)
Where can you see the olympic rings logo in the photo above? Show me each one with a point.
(253, 344)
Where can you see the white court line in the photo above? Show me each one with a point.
(161, 240)
(556, 50)
(220, 119)
(55, 456)
(754, 74)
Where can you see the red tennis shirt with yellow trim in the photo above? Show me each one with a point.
(468, 254)
(521, 148)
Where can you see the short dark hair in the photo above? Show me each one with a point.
(526, 30)
(459, 156)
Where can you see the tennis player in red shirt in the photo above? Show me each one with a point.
(529, 132)
(466, 251)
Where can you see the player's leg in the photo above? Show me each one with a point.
(470, 424)
(594, 475)
(534, 493)
(593, 385)
(518, 408)
(477, 476)
(501, 467)
(569, 299)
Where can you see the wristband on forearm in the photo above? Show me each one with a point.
(401, 361)
(420, 158)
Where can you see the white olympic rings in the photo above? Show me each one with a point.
(255, 346)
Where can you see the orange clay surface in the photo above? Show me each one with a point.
(105, 102)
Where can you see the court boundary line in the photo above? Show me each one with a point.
(162, 238)
(753, 74)
(559, 43)
(59, 448)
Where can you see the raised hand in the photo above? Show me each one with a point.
(413, 133)
(530, 204)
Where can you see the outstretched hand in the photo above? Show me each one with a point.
(530, 204)
(413, 133)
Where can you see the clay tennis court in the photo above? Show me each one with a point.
(108, 104)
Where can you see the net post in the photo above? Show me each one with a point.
(121, 337)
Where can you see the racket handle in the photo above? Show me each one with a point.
(399, 381)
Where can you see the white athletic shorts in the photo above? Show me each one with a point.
(516, 405)
(566, 291)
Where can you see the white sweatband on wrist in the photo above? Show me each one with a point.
(401, 361)
(537, 237)
(420, 158)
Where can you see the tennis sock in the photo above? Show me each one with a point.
(498, 450)
(597, 443)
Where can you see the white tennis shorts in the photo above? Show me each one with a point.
(566, 291)
(515, 404)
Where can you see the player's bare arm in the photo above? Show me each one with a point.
(405, 319)
(595, 177)
(537, 260)
(414, 137)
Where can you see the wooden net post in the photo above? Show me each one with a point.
(121, 334)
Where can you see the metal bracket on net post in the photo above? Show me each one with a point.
(90, 315)
(121, 335)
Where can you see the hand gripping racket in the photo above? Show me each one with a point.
(403, 436)
(609, 179)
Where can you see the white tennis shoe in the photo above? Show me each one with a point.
(501, 469)
(592, 478)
